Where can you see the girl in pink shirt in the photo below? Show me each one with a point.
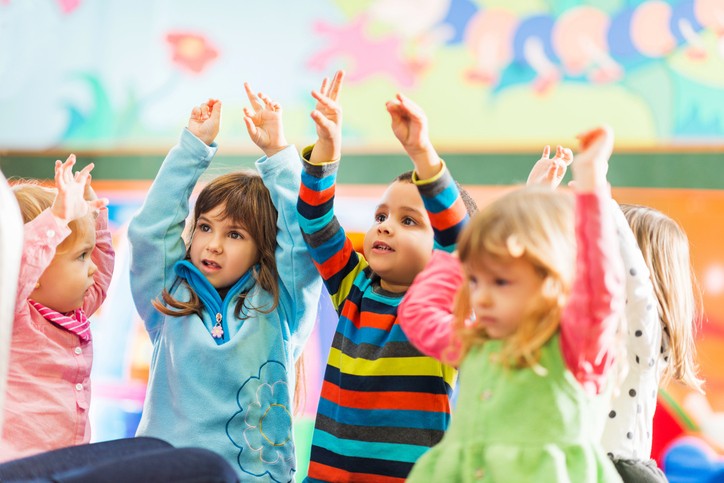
(65, 271)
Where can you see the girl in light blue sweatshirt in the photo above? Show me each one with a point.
(229, 312)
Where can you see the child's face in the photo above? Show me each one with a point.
(64, 283)
(221, 249)
(399, 243)
(502, 293)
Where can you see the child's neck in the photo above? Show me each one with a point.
(393, 287)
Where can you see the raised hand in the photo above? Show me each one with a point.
(550, 171)
(327, 115)
(590, 165)
(264, 123)
(409, 124)
(71, 202)
(205, 120)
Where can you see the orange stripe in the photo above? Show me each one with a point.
(448, 217)
(392, 400)
(328, 473)
(351, 311)
(377, 321)
(315, 198)
(336, 262)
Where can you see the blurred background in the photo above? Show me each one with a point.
(114, 81)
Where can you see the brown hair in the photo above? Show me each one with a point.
(534, 224)
(665, 248)
(33, 199)
(247, 202)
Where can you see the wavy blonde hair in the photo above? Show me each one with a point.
(34, 198)
(665, 248)
(533, 224)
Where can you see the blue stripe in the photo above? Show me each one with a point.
(314, 218)
(318, 184)
(384, 451)
(329, 248)
(370, 335)
(334, 282)
(396, 418)
(444, 200)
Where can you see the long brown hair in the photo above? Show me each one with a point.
(533, 224)
(665, 248)
(246, 202)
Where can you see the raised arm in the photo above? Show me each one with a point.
(103, 256)
(595, 309)
(281, 171)
(155, 232)
(331, 250)
(439, 192)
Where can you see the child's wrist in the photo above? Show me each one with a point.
(271, 151)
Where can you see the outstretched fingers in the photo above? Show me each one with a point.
(255, 102)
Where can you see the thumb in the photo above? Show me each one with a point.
(216, 112)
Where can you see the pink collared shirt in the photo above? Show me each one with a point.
(48, 391)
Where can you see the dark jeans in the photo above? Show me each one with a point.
(638, 471)
(123, 460)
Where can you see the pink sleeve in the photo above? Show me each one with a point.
(425, 313)
(595, 308)
(41, 236)
(103, 256)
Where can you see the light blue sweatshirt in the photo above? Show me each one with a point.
(234, 397)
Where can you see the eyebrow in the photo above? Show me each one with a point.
(232, 227)
(402, 208)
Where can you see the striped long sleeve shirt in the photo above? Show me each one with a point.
(383, 403)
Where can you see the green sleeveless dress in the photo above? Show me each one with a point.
(513, 425)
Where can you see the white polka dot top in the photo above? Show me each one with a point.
(628, 430)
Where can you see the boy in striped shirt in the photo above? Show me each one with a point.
(383, 403)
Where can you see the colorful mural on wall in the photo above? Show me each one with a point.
(109, 74)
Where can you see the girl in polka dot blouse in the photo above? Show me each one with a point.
(661, 314)
(533, 330)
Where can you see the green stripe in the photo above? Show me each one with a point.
(678, 411)
(694, 169)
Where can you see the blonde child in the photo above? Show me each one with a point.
(383, 403)
(534, 332)
(65, 270)
(228, 312)
(661, 315)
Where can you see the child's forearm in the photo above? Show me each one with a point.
(592, 316)
(103, 257)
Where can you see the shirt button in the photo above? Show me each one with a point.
(79, 387)
(78, 350)
(50, 233)
(485, 395)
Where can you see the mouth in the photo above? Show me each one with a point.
(382, 247)
(210, 264)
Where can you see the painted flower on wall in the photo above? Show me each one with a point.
(191, 51)
(261, 429)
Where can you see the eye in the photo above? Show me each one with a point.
(83, 256)
(501, 282)
(235, 235)
(380, 217)
(472, 281)
(204, 227)
(409, 221)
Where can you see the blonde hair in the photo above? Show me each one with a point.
(665, 248)
(533, 224)
(33, 199)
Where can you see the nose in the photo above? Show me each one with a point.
(384, 227)
(215, 245)
(480, 296)
(93, 268)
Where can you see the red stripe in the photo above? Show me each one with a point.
(315, 198)
(392, 400)
(350, 310)
(336, 262)
(328, 473)
(449, 217)
(377, 321)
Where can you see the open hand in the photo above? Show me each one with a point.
(264, 123)
(205, 120)
(327, 115)
(550, 171)
(70, 203)
(409, 124)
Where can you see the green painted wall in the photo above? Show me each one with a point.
(695, 169)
